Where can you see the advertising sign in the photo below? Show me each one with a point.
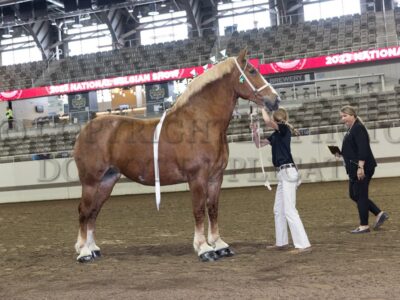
(178, 74)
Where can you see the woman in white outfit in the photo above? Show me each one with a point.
(285, 198)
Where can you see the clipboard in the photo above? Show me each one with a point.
(335, 150)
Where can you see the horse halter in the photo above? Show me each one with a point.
(243, 75)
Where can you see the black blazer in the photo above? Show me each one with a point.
(355, 147)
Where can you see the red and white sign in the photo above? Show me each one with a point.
(100, 84)
(177, 74)
(331, 60)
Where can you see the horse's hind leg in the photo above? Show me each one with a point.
(93, 197)
(220, 247)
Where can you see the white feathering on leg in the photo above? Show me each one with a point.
(199, 243)
(79, 243)
(85, 251)
(91, 242)
(204, 248)
(219, 244)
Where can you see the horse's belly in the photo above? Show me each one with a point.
(146, 176)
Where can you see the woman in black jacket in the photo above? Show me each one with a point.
(360, 166)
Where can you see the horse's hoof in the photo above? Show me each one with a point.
(208, 256)
(85, 259)
(225, 252)
(96, 254)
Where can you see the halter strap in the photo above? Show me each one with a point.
(247, 79)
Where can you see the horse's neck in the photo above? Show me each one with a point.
(215, 103)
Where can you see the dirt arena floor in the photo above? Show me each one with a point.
(148, 254)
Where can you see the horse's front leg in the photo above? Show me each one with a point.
(93, 198)
(221, 248)
(85, 245)
(198, 188)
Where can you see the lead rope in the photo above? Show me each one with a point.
(156, 137)
(266, 183)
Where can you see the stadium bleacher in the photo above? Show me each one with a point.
(312, 38)
(318, 115)
(317, 110)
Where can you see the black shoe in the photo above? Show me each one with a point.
(359, 230)
(380, 220)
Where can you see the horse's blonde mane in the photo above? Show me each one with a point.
(213, 74)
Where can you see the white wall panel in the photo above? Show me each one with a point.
(56, 179)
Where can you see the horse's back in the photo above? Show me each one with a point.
(102, 131)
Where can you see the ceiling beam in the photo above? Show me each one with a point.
(56, 3)
(190, 8)
(6, 2)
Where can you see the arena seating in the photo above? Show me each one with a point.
(319, 115)
(397, 20)
(311, 115)
(37, 143)
(335, 35)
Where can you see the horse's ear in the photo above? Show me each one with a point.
(242, 54)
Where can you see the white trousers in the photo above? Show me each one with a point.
(285, 211)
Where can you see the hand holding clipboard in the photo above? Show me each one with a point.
(335, 150)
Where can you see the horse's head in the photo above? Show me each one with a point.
(252, 85)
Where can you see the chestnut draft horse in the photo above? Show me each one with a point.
(192, 148)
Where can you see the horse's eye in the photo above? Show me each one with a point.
(253, 71)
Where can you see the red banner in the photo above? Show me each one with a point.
(100, 84)
(331, 60)
(177, 74)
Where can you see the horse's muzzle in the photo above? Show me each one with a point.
(272, 106)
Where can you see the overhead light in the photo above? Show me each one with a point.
(171, 10)
(77, 23)
(69, 21)
(7, 34)
(130, 9)
(84, 17)
(139, 15)
(53, 22)
(154, 12)
(163, 4)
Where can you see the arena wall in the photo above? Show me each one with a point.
(57, 178)
(389, 68)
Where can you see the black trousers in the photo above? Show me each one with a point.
(358, 190)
